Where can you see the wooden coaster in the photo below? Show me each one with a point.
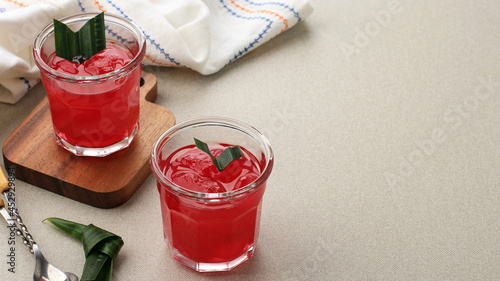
(103, 182)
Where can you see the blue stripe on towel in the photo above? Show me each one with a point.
(121, 39)
(152, 41)
(256, 40)
(25, 82)
(157, 46)
(81, 6)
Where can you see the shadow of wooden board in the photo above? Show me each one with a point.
(103, 182)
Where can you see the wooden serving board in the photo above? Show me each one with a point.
(103, 182)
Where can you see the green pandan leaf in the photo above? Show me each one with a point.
(227, 156)
(95, 238)
(94, 264)
(83, 44)
(100, 246)
(72, 228)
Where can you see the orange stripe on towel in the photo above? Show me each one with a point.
(20, 4)
(285, 21)
(101, 8)
(160, 63)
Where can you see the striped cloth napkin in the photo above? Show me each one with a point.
(202, 35)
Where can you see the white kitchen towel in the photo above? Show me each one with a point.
(202, 35)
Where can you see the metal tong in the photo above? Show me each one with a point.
(44, 271)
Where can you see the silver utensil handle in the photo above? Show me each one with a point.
(27, 240)
(11, 200)
(20, 228)
(12, 223)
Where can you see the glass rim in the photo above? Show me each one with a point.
(49, 29)
(210, 121)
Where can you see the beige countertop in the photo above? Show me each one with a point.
(384, 119)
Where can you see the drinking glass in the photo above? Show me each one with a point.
(94, 115)
(211, 231)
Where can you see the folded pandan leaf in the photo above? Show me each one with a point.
(83, 44)
(227, 156)
(100, 246)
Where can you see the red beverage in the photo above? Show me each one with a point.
(96, 116)
(216, 233)
(211, 218)
(94, 104)
(193, 169)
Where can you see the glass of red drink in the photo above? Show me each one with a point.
(210, 218)
(94, 105)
